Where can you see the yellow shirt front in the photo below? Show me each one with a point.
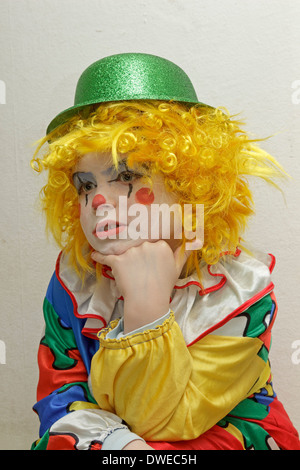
(166, 390)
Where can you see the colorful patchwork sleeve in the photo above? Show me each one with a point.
(178, 392)
(69, 416)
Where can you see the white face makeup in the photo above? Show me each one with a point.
(109, 199)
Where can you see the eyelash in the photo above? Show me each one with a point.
(126, 172)
(85, 189)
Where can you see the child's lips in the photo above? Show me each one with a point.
(108, 228)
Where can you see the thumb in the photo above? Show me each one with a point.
(180, 255)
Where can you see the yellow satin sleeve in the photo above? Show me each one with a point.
(167, 391)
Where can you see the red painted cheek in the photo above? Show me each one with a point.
(144, 196)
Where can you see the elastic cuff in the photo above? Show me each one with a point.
(119, 439)
(136, 338)
(118, 331)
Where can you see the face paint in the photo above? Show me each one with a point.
(98, 201)
(96, 176)
(144, 196)
(126, 176)
(84, 182)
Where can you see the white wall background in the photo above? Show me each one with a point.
(244, 55)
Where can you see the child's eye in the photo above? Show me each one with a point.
(84, 182)
(127, 177)
(86, 187)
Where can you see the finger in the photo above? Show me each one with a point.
(102, 259)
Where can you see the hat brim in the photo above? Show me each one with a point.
(80, 109)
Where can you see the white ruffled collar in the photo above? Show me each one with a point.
(228, 286)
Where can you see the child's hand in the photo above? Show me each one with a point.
(145, 276)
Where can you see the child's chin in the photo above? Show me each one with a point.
(117, 247)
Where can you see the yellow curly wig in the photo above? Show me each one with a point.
(202, 153)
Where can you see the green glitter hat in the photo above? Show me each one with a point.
(129, 76)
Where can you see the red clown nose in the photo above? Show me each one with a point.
(98, 201)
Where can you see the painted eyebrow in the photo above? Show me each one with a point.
(113, 171)
(81, 177)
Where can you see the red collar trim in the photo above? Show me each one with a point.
(74, 302)
(219, 285)
(267, 290)
(91, 332)
(202, 291)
